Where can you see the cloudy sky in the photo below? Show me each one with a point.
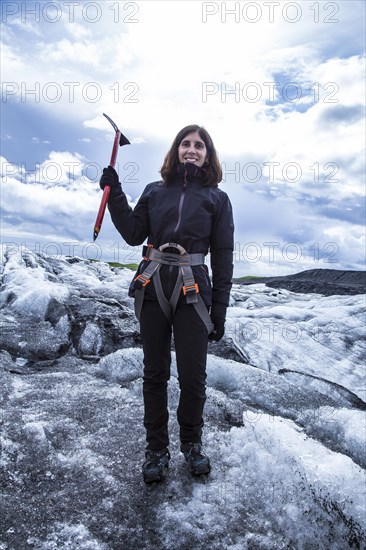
(279, 86)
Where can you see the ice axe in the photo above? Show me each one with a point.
(121, 140)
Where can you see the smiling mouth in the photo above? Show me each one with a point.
(190, 159)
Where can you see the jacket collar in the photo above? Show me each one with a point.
(189, 172)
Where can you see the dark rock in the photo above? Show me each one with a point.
(9, 297)
(320, 281)
(6, 361)
(228, 349)
(100, 326)
(73, 260)
(55, 310)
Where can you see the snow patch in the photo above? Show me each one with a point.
(68, 537)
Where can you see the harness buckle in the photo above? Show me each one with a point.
(141, 280)
(190, 289)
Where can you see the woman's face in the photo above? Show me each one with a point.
(192, 148)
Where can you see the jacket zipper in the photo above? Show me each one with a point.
(180, 207)
(181, 201)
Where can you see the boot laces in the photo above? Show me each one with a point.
(154, 457)
(195, 452)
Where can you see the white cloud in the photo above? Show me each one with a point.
(11, 59)
(58, 193)
(130, 70)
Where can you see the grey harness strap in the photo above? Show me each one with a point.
(184, 280)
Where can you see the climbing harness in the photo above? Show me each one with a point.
(185, 281)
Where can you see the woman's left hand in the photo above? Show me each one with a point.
(218, 332)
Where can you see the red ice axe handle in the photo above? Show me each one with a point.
(107, 189)
(119, 139)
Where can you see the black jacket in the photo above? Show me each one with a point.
(197, 217)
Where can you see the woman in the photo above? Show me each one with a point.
(183, 217)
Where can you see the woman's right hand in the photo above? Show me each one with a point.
(109, 177)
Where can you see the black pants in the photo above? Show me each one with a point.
(191, 339)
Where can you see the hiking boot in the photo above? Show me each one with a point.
(156, 465)
(197, 461)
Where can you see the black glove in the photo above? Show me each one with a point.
(110, 177)
(218, 316)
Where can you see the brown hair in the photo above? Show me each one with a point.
(212, 169)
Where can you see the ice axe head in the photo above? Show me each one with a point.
(119, 139)
(122, 139)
